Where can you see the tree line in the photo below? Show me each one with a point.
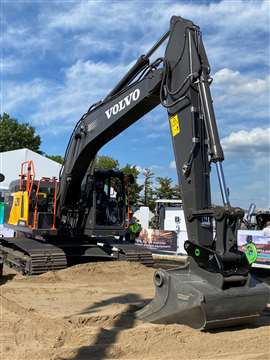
(148, 190)
(15, 135)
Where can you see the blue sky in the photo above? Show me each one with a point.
(59, 57)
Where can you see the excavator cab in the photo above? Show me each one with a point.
(103, 204)
(105, 197)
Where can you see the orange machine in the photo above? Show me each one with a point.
(31, 197)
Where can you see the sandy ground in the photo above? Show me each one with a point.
(87, 312)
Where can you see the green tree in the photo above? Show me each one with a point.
(17, 136)
(177, 192)
(133, 189)
(148, 193)
(164, 188)
(106, 162)
(57, 158)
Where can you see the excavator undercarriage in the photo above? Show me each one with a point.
(31, 256)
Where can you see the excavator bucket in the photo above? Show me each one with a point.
(203, 300)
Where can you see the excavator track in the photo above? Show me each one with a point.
(136, 253)
(31, 256)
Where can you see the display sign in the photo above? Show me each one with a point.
(6, 232)
(161, 240)
(256, 245)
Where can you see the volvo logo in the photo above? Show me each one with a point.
(122, 104)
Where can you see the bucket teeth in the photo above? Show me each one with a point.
(195, 297)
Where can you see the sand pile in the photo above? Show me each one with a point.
(87, 312)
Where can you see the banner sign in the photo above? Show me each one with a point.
(6, 232)
(248, 239)
(161, 240)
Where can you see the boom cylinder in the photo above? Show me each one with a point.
(216, 151)
(222, 184)
(210, 120)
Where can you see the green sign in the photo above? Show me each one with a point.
(251, 253)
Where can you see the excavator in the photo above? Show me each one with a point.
(215, 287)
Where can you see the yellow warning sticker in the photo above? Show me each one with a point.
(174, 122)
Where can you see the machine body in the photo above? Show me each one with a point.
(216, 285)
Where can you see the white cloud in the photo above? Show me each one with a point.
(84, 83)
(255, 142)
(18, 94)
(235, 83)
(96, 26)
(172, 164)
(240, 99)
(88, 41)
(82, 15)
(154, 135)
(25, 40)
(91, 26)
(9, 65)
(80, 30)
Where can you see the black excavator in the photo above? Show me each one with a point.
(215, 287)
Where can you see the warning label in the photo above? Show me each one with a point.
(174, 122)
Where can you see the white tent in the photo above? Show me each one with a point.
(10, 165)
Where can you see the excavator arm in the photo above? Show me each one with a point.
(217, 274)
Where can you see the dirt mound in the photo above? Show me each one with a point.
(88, 312)
(85, 272)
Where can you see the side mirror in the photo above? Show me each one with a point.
(2, 177)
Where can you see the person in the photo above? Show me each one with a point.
(101, 203)
(266, 230)
(134, 229)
